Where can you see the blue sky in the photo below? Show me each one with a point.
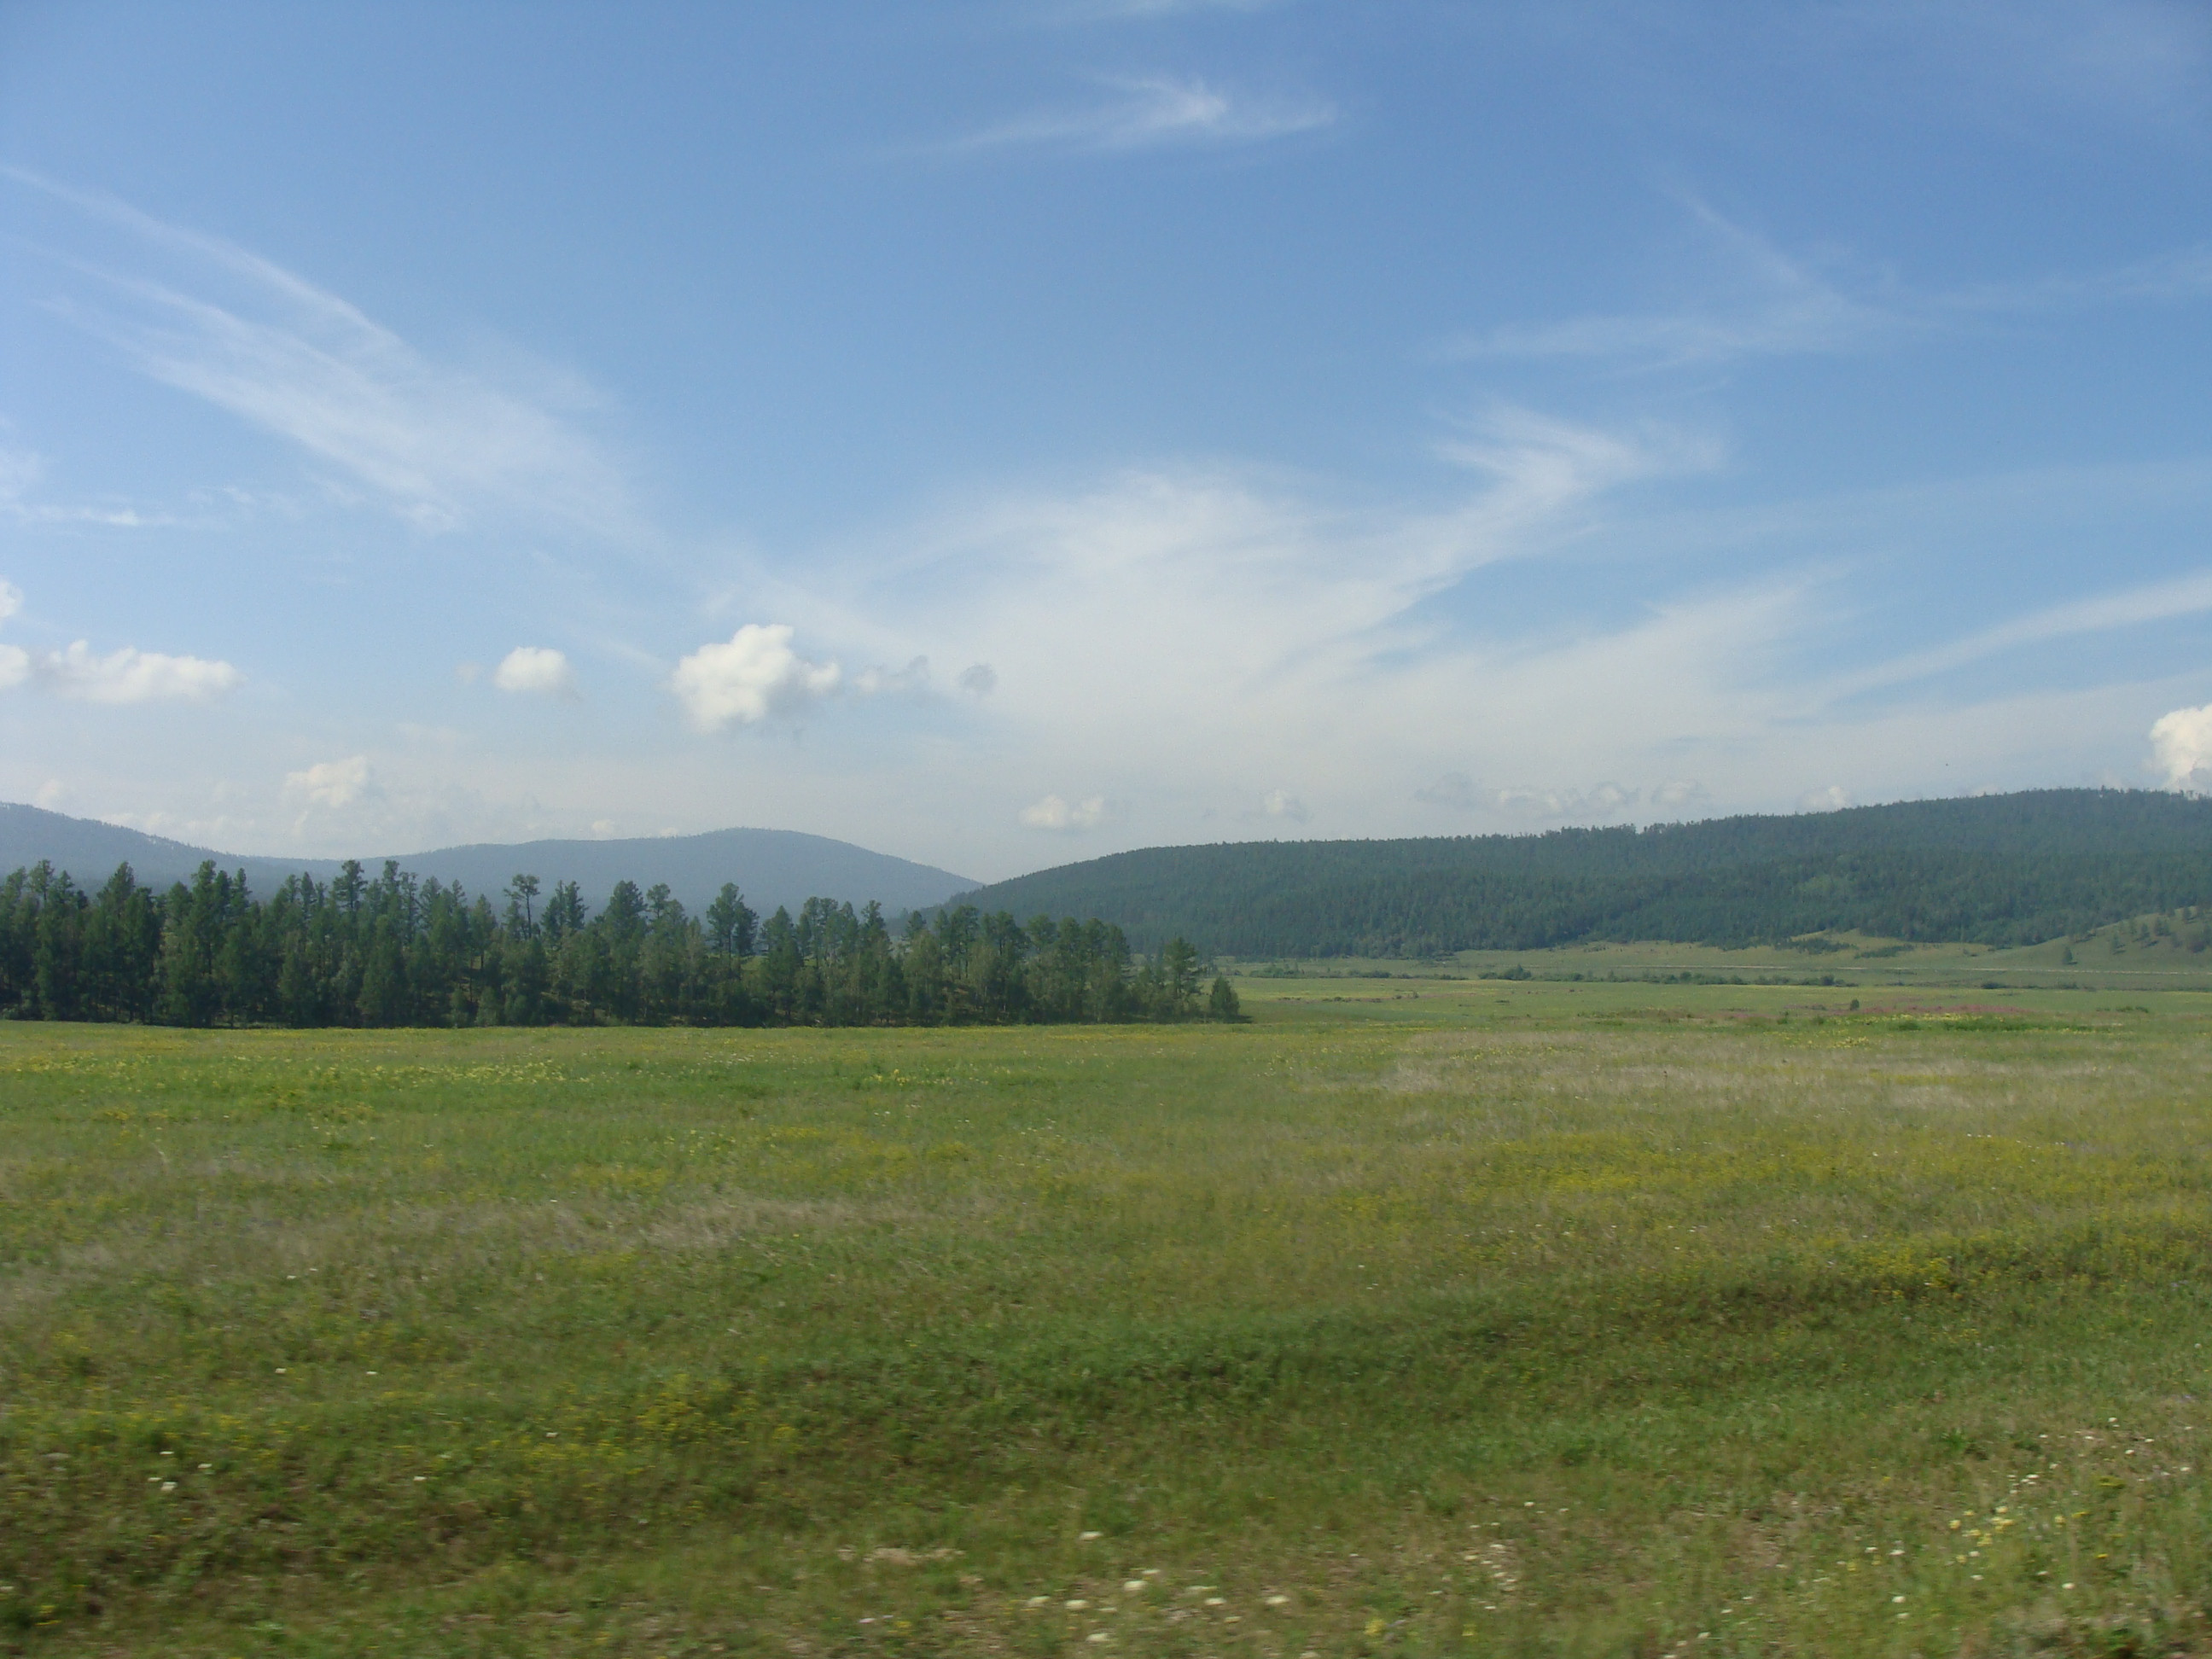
(1004, 433)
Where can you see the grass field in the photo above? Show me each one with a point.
(1456, 1317)
(2147, 953)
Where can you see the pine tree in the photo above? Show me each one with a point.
(1221, 1003)
(730, 922)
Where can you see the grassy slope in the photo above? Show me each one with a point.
(1511, 1318)
(2127, 955)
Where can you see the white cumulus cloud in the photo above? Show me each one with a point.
(753, 676)
(1278, 804)
(1453, 789)
(331, 783)
(1678, 793)
(133, 676)
(1062, 817)
(1531, 802)
(121, 677)
(2182, 743)
(537, 669)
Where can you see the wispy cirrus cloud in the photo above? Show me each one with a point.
(1762, 302)
(1155, 111)
(440, 446)
(21, 472)
(1765, 302)
(2184, 274)
(1237, 634)
(1234, 635)
(1143, 11)
(1153, 559)
(2140, 60)
(2128, 607)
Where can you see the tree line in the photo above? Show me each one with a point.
(2001, 871)
(393, 951)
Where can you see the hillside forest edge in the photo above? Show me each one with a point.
(401, 949)
(2002, 870)
(392, 951)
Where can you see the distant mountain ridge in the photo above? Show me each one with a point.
(772, 866)
(2000, 870)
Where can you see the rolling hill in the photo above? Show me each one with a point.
(773, 866)
(2000, 870)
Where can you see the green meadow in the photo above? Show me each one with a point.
(1416, 1316)
(2171, 952)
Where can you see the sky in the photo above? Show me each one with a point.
(1004, 432)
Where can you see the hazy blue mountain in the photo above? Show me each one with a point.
(773, 866)
(89, 850)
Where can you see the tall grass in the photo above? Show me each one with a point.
(1522, 1323)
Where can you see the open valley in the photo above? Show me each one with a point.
(1512, 1317)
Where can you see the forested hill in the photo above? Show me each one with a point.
(1997, 869)
(773, 866)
